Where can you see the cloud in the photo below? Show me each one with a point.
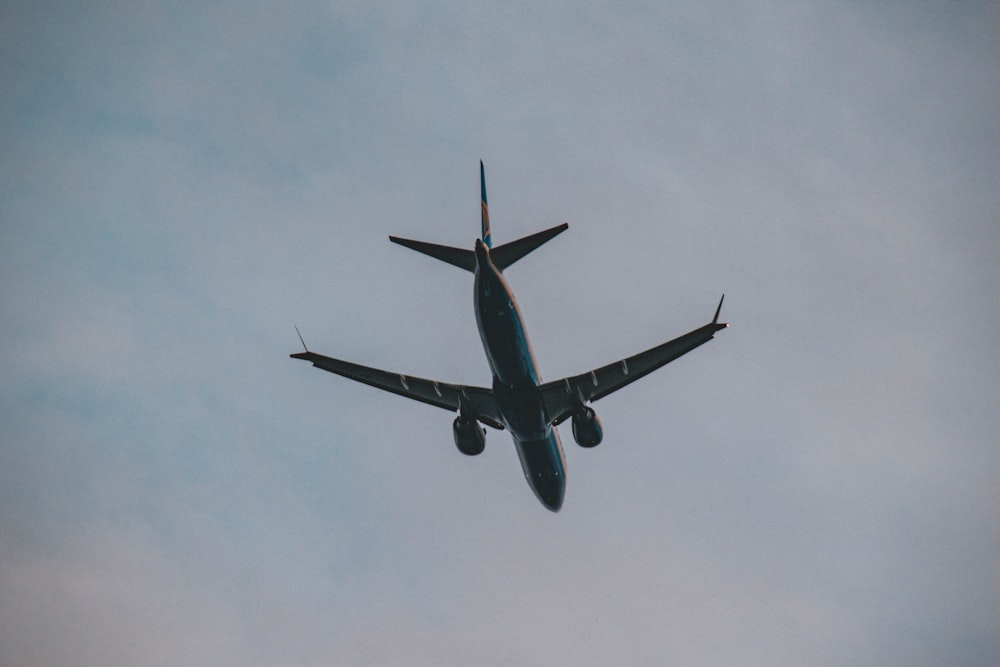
(182, 186)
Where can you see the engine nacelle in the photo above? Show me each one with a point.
(470, 437)
(587, 429)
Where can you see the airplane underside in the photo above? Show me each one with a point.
(544, 467)
(517, 400)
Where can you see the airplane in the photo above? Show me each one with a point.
(518, 400)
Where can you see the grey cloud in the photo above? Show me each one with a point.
(181, 186)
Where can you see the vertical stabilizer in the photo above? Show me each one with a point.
(486, 211)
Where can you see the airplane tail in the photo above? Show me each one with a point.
(502, 256)
(505, 255)
(460, 257)
(486, 209)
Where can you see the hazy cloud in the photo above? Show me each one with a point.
(181, 185)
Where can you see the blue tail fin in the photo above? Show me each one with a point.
(502, 256)
(486, 210)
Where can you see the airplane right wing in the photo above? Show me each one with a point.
(475, 402)
(564, 397)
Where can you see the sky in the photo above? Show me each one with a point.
(181, 183)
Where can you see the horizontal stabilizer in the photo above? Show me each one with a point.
(505, 255)
(463, 259)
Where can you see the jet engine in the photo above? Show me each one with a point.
(470, 437)
(587, 429)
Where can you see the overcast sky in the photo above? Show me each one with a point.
(181, 183)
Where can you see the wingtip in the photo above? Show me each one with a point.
(715, 320)
(301, 340)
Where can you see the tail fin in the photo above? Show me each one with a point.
(487, 239)
(502, 256)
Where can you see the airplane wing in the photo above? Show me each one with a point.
(476, 402)
(564, 397)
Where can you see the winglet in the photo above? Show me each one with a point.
(304, 346)
(715, 320)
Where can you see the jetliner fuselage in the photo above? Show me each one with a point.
(515, 382)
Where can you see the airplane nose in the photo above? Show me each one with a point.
(551, 492)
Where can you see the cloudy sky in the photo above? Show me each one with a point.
(180, 183)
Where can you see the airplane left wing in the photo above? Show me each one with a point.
(475, 402)
(564, 397)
